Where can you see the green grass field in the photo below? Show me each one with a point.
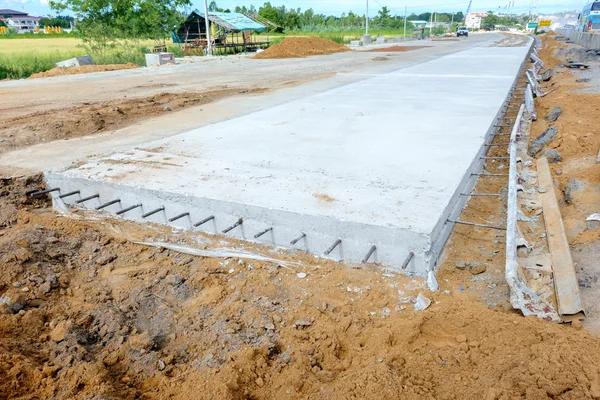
(22, 56)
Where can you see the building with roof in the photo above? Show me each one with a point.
(228, 31)
(473, 19)
(19, 20)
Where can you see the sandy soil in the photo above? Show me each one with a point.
(298, 47)
(578, 175)
(85, 69)
(97, 117)
(87, 313)
(512, 40)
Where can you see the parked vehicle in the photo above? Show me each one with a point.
(462, 31)
(589, 19)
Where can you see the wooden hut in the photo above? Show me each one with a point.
(230, 32)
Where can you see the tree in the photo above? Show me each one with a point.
(213, 6)
(2, 23)
(49, 21)
(107, 23)
(490, 21)
(269, 12)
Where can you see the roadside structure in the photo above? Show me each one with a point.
(229, 32)
(19, 20)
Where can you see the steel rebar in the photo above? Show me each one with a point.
(62, 196)
(94, 196)
(110, 203)
(205, 220)
(299, 238)
(333, 246)
(41, 192)
(232, 227)
(175, 218)
(153, 212)
(408, 259)
(369, 254)
(123, 211)
(259, 234)
(478, 225)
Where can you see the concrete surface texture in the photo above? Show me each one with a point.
(373, 162)
(288, 79)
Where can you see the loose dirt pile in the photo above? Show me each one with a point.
(86, 313)
(512, 40)
(85, 69)
(298, 47)
(577, 142)
(93, 118)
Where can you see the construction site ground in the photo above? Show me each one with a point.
(95, 313)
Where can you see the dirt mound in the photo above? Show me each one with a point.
(86, 313)
(100, 117)
(85, 69)
(298, 47)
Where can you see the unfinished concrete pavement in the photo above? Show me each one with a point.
(377, 162)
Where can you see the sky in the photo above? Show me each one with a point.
(336, 7)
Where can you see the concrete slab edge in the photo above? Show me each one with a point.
(314, 234)
(443, 229)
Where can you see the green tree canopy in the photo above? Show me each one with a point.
(490, 21)
(54, 21)
(123, 18)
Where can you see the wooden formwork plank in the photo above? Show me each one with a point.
(570, 306)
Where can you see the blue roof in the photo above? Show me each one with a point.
(233, 21)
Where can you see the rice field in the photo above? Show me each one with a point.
(21, 57)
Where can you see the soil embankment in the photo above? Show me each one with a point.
(297, 47)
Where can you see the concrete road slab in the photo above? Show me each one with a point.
(379, 162)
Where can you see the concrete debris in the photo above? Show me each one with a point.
(538, 143)
(577, 65)
(301, 275)
(75, 62)
(422, 303)
(552, 155)
(572, 186)
(594, 217)
(547, 75)
(553, 114)
(432, 282)
(303, 323)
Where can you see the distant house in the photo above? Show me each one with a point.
(473, 20)
(19, 20)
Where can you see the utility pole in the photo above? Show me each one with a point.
(451, 23)
(430, 23)
(207, 24)
(366, 18)
(405, 23)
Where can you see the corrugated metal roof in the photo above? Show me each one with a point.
(233, 21)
